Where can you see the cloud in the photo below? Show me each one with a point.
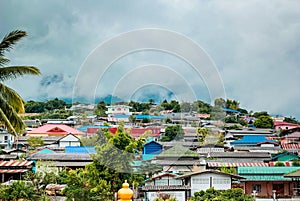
(254, 44)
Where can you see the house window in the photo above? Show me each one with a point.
(5, 137)
(256, 187)
(200, 180)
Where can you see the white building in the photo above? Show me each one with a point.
(6, 139)
(203, 180)
(118, 109)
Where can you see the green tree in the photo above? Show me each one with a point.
(263, 122)
(35, 141)
(235, 194)
(34, 107)
(291, 120)
(173, 133)
(55, 104)
(11, 102)
(232, 104)
(101, 109)
(18, 190)
(220, 102)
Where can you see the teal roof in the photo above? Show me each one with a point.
(147, 157)
(265, 173)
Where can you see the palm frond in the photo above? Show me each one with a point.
(12, 72)
(10, 118)
(3, 61)
(10, 39)
(12, 98)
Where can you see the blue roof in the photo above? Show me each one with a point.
(230, 110)
(252, 140)
(80, 150)
(121, 116)
(148, 117)
(84, 128)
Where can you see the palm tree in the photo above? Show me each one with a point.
(11, 102)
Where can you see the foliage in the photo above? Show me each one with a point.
(258, 114)
(110, 168)
(279, 164)
(296, 162)
(221, 139)
(17, 190)
(220, 102)
(203, 108)
(291, 120)
(139, 107)
(231, 119)
(235, 194)
(232, 104)
(263, 122)
(11, 102)
(40, 107)
(173, 105)
(35, 141)
(101, 109)
(228, 170)
(173, 133)
(202, 134)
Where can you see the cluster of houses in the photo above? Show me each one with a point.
(263, 162)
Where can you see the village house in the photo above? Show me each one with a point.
(205, 179)
(267, 181)
(165, 185)
(6, 139)
(55, 130)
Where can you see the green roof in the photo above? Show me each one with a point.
(265, 173)
(178, 151)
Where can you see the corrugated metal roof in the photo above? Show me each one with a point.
(248, 164)
(265, 173)
(15, 163)
(266, 170)
(80, 149)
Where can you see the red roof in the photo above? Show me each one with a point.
(285, 124)
(241, 164)
(15, 163)
(55, 129)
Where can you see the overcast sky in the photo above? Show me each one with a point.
(250, 50)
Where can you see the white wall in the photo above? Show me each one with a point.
(203, 182)
(68, 143)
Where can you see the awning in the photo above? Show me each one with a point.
(291, 147)
(15, 163)
(249, 164)
(14, 171)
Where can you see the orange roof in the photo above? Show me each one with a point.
(55, 129)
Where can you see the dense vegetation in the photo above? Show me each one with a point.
(235, 194)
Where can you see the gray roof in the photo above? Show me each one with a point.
(61, 157)
(176, 162)
(70, 164)
(47, 139)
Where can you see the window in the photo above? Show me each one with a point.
(256, 187)
(5, 137)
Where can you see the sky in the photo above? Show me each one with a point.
(185, 50)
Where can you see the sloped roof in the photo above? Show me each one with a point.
(293, 135)
(294, 174)
(265, 173)
(210, 171)
(60, 129)
(178, 151)
(253, 140)
(80, 149)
